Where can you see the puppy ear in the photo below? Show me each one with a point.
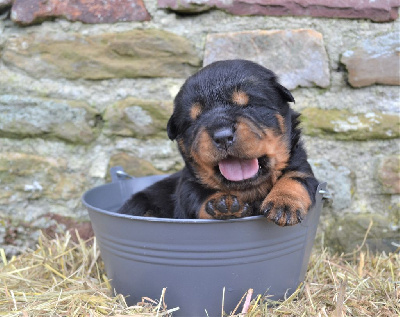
(285, 93)
(172, 129)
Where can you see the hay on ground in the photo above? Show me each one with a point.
(64, 278)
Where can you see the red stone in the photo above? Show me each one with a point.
(374, 61)
(87, 11)
(297, 56)
(378, 10)
(82, 229)
(388, 174)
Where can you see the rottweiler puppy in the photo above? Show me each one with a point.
(241, 145)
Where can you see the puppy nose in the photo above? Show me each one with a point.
(223, 137)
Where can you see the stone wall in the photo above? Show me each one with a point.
(84, 87)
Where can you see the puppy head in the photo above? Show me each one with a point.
(232, 124)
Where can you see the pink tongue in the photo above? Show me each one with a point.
(237, 169)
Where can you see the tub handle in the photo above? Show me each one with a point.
(325, 194)
(323, 190)
(118, 174)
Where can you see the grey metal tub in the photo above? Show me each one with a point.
(196, 259)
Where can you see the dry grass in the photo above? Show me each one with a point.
(63, 278)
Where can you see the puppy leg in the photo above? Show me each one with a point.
(224, 206)
(156, 200)
(290, 198)
(139, 204)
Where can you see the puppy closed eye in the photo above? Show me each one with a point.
(195, 110)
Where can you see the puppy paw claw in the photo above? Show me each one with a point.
(282, 214)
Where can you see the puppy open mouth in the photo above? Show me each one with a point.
(236, 169)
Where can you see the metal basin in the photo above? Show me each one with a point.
(196, 259)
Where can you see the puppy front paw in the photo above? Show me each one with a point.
(224, 206)
(283, 214)
(286, 206)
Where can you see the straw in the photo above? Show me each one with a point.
(66, 278)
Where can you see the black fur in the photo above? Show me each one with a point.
(262, 112)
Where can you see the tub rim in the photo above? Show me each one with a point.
(118, 175)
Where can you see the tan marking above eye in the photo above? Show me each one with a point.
(240, 98)
(195, 110)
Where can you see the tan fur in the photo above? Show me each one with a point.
(281, 122)
(195, 110)
(240, 98)
(290, 193)
(251, 142)
(204, 154)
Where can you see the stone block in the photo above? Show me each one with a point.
(105, 11)
(132, 165)
(27, 176)
(347, 232)
(389, 174)
(339, 179)
(30, 177)
(345, 125)
(163, 154)
(298, 57)
(138, 118)
(130, 54)
(374, 61)
(67, 186)
(17, 235)
(377, 10)
(23, 116)
(14, 165)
